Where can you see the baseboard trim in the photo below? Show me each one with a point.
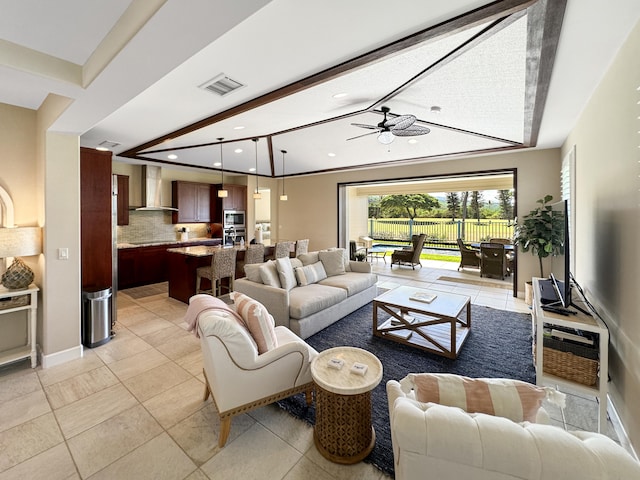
(619, 428)
(57, 358)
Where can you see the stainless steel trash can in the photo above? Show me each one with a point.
(96, 316)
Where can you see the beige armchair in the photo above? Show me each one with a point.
(238, 378)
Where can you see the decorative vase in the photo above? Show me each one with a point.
(17, 276)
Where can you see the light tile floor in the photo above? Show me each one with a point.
(133, 409)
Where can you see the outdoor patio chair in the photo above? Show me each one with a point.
(409, 255)
(356, 248)
(493, 260)
(509, 254)
(469, 257)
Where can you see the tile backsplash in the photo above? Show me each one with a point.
(155, 226)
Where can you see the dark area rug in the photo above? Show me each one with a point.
(499, 345)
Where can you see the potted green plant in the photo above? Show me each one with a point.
(541, 232)
(360, 256)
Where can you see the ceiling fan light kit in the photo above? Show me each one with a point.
(385, 137)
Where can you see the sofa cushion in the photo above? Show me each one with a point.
(310, 274)
(332, 261)
(252, 272)
(258, 320)
(308, 258)
(512, 399)
(352, 282)
(269, 274)
(305, 301)
(285, 273)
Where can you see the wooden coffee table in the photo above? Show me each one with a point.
(343, 432)
(434, 327)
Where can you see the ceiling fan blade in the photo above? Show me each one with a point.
(411, 131)
(401, 122)
(364, 125)
(363, 135)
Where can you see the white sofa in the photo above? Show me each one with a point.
(306, 308)
(433, 441)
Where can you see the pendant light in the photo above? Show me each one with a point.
(222, 193)
(284, 196)
(257, 195)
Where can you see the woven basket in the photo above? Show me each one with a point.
(570, 366)
(17, 276)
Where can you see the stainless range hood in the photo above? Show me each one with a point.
(151, 191)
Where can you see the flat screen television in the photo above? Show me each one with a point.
(561, 263)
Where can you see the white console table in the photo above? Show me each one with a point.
(583, 322)
(26, 299)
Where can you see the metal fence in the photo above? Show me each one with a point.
(441, 233)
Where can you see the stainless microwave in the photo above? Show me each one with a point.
(234, 218)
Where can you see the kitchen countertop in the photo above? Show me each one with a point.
(202, 250)
(166, 242)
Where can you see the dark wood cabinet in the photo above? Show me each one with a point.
(139, 266)
(123, 199)
(193, 201)
(235, 200)
(95, 218)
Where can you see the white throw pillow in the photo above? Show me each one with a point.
(310, 274)
(286, 273)
(252, 272)
(269, 274)
(308, 258)
(332, 261)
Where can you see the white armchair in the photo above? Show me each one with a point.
(436, 441)
(238, 378)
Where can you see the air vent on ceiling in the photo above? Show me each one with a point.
(107, 145)
(221, 85)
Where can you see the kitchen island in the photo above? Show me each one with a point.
(147, 262)
(184, 261)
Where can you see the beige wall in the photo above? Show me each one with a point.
(19, 177)
(313, 201)
(607, 208)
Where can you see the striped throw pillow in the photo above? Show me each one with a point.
(310, 274)
(512, 399)
(258, 320)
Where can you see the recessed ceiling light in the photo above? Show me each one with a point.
(102, 149)
(217, 164)
(252, 169)
(238, 150)
(239, 127)
(436, 109)
(172, 156)
(340, 95)
(413, 141)
(331, 154)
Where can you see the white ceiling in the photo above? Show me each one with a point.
(133, 70)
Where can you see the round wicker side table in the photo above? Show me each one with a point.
(343, 431)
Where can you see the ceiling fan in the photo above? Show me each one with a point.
(387, 130)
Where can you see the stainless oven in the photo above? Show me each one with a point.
(234, 218)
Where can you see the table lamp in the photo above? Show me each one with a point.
(19, 242)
